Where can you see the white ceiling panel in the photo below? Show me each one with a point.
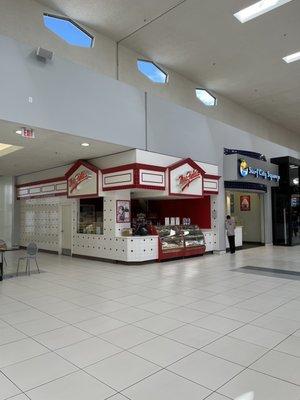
(48, 150)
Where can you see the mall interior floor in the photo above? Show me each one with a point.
(190, 329)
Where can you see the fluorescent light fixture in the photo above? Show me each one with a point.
(206, 98)
(4, 146)
(8, 148)
(292, 57)
(246, 396)
(258, 8)
(85, 144)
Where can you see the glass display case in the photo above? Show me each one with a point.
(180, 241)
(171, 238)
(193, 236)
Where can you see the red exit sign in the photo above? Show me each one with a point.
(28, 133)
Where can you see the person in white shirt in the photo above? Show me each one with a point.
(230, 229)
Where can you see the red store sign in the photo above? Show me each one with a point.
(75, 181)
(83, 180)
(186, 178)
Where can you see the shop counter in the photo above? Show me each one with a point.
(238, 237)
(121, 248)
(210, 239)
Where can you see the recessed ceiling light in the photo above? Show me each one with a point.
(85, 144)
(258, 8)
(19, 132)
(292, 57)
(206, 98)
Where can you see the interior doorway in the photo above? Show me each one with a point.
(247, 208)
(66, 230)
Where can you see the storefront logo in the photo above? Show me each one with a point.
(245, 170)
(185, 180)
(77, 179)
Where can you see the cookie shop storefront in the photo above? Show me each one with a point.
(134, 207)
(248, 179)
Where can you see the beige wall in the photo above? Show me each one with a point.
(22, 20)
(249, 220)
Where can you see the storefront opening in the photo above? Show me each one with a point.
(91, 216)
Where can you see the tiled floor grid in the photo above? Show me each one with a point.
(183, 330)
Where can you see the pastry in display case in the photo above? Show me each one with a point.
(193, 236)
(180, 241)
(170, 238)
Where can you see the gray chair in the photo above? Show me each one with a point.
(3, 243)
(31, 254)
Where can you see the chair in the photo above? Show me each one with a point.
(3, 245)
(31, 254)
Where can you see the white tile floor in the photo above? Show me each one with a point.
(188, 329)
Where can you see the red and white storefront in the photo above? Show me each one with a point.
(50, 208)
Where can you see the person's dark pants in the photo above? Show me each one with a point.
(231, 240)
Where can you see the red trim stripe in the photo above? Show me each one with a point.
(52, 180)
(78, 164)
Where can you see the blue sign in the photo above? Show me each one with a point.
(245, 169)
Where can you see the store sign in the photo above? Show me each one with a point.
(245, 170)
(27, 133)
(82, 180)
(186, 178)
(78, 179)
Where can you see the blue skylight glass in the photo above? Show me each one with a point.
(68, 30)
(152, 71)
(206, 98)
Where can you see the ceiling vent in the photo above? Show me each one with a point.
(44, 55)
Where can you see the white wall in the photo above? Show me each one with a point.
(102, 59)
(68, 98)
(22, 20)
(181, 91)
(6, 209)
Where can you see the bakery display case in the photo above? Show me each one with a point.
(180, 241)
(193, 236)
(171, 239)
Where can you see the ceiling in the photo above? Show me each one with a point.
(48, 150)
(202, 40)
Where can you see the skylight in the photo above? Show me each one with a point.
(206, 98)
(292, 57)
(258, 8)
(152, 71)
(68, 30)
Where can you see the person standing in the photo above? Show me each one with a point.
(230, 229)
